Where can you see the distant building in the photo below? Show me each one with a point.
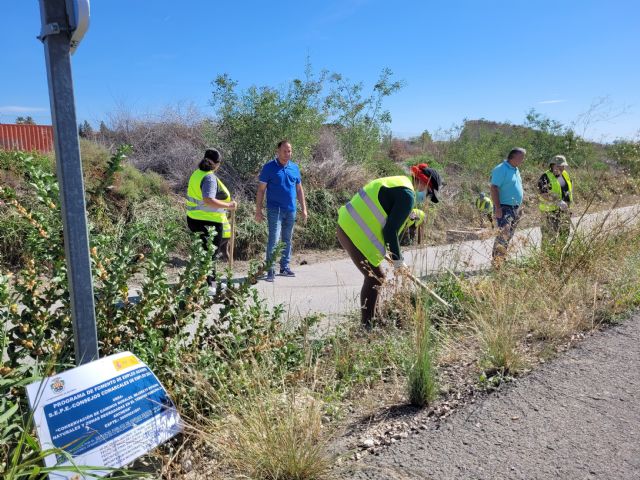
(26, 137)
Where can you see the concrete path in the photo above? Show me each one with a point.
(577, 417)
(333, 288)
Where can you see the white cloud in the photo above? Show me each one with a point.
(21, 109)
(547, 102)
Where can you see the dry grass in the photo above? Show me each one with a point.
(262, 431)
(329, 169)
(276, 437)
(525, 308)
(502, 323)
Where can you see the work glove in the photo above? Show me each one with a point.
(562, 205)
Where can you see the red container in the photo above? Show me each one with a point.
(26, 137)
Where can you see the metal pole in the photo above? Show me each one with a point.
(56, 37)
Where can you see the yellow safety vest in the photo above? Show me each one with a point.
(484, 203)
(196, 207)
(556, 190)
(223, 190)
(363, 218)
(415, 218)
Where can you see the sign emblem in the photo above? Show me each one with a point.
(57, 385)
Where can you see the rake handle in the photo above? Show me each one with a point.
(232, 241)
(422, 285)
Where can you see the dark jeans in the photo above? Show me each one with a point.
(373, 277)
(507, 225)
(280, 222)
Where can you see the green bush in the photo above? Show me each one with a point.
(251, 122)
(251, 237)
(169, 323)
(320, 229)
(627, 154)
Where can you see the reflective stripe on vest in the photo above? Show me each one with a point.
(556, 190)
(365, 228)
(363, 218)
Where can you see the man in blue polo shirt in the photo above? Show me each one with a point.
(281, 181)
(506, 194)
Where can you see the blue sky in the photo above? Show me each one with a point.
(491, 59)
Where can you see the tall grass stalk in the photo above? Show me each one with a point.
(422, 379)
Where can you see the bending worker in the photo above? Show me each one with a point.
(370, 223)
(556, 196)
(412, 228)
(205, 210)
(484, 204)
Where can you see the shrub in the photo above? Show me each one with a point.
(320, 230)
(627, 154)
(168, 324)
(363, 120)
(251, 122)
(329, 170)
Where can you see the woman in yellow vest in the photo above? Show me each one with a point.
(369, 225)
(412, 227)
(208, 201)
(556, 196)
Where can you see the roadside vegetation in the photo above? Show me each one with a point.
(262, 398)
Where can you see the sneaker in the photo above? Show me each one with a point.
(271, 276)
(286, 272)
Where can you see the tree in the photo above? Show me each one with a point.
(363, 119)
(251, 122)
(103, 129)
(425, 140)
(28, 120)
(85, 130)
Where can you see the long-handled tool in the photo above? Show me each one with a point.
(423, 285)
(232, 241)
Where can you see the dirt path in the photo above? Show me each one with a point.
(577, 417)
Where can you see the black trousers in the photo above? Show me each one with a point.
(373, 278)
(202, 227)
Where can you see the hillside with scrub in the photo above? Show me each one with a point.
(262, 396)
(341, 138)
